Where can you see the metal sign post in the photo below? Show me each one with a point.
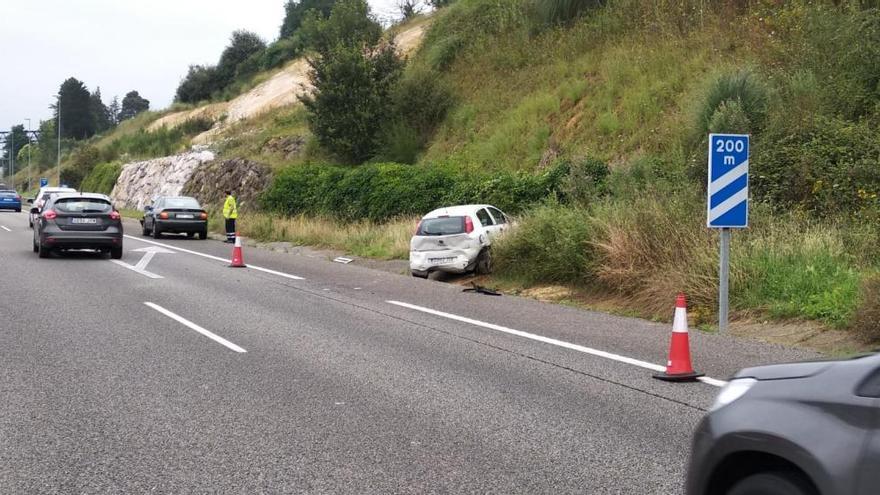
(728, 203)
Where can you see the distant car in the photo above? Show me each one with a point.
(40, 199)
(78, 221)
(10, 200)
(175, 214)
(793, 429)
(455, 239)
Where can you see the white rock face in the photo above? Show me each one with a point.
(139, 182)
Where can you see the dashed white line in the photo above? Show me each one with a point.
(7, 229)
(548, 340)
(216, 258)
(206, 333)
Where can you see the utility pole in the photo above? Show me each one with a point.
(58, 166)
(12, 158)
(30, 172)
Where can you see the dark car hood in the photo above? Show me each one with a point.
(785, 371)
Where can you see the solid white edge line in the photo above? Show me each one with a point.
(193, 326)
(215, 258)
(547, 340)
(137, 270)
(7, 229)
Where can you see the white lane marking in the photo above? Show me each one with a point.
(206, 333)
(137, 270)
(7, 229)
(547, 340)
(216, 258)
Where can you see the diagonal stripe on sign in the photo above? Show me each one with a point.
(728, 204)
(720, 195)
(732, 175)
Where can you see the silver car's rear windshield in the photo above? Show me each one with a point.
(181, 203)
(442, 226)
(82, 205)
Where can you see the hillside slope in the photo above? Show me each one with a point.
(281, 89)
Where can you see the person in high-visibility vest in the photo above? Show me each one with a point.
(230, 213)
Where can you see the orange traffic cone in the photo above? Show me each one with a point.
(679, 368)
(237, 258)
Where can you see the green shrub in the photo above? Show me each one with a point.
(587, 181)
(199, 84)
(379, 191)
(422, 99)
(71, 176)
(281, 51)
(730, 118)
(102, 178)
(829, 166)
(84, 159)
(550, 244)
(352, 93)
(743, 88)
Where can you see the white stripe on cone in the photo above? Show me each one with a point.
(680, 323)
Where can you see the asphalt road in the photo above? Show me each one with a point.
(299, 375)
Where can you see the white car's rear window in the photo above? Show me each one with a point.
(442, 226)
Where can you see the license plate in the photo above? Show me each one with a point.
(441, 260)
(7, 199)
(184, 216)
(83, 220)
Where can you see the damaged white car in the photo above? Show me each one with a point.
(455, 239)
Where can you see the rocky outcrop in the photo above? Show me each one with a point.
(290, 146)
(248, 179)
(139, 182)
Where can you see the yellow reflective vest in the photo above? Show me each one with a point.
(230, 208)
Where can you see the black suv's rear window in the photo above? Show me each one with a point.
(442, 226)
(82, 205)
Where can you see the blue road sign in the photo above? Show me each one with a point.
(44, 182)
(728, 204)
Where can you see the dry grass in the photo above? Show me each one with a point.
(383, 241)
(867, 319)
(648, 254)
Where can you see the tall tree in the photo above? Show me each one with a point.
(198, 85)
(350, 24)
(113, 110)
(295, 12)
(77, 120)
(47, 144)
(132, 105)
(18, 138)
(100, 112)
(353, 77)
(242, 45)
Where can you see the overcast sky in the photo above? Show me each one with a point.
(119, 45)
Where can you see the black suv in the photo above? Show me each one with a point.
(78, 221)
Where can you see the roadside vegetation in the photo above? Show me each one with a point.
(620, 97)
(585, 119)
